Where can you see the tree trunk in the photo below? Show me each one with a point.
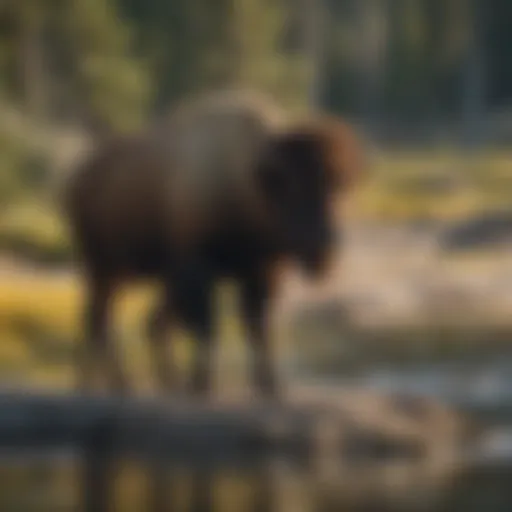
(373, 28)
(314, 18)
(30, 65)
(473, 83)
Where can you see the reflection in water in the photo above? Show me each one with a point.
(125, 485)
(98, 479)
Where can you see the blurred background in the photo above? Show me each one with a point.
(423, 296)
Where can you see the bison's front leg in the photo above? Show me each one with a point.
(193, 288)
(257, 291)
(98, 340)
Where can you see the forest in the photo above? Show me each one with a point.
(416, 75)
(107, 64)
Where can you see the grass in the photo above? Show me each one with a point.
(35, 231)
(40, 328)
(398, 189)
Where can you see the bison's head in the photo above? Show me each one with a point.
(304, 173)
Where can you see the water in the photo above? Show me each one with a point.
(57, 485)
(479, 482)
(480, 387)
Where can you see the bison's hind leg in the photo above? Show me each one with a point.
(193, 287)
(159, 325)
(98, 342)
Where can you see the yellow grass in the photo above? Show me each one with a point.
(39, 310)
(42, 314)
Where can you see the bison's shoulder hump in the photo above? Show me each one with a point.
(217, 137)
(231, 104)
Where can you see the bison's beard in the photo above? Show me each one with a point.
(313, 247)
(316, 265)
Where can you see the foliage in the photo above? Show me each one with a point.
(71, 58)
(199, 44)
(106, 61)
(34, 232)
(23, 170)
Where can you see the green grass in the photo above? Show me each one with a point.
(34, 231)
(396, 189)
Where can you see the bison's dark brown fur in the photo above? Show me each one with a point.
(219, 190)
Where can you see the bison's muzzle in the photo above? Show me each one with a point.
(316, 250)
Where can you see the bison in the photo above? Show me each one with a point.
(226, 186)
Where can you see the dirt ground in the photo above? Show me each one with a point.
(392, 274)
